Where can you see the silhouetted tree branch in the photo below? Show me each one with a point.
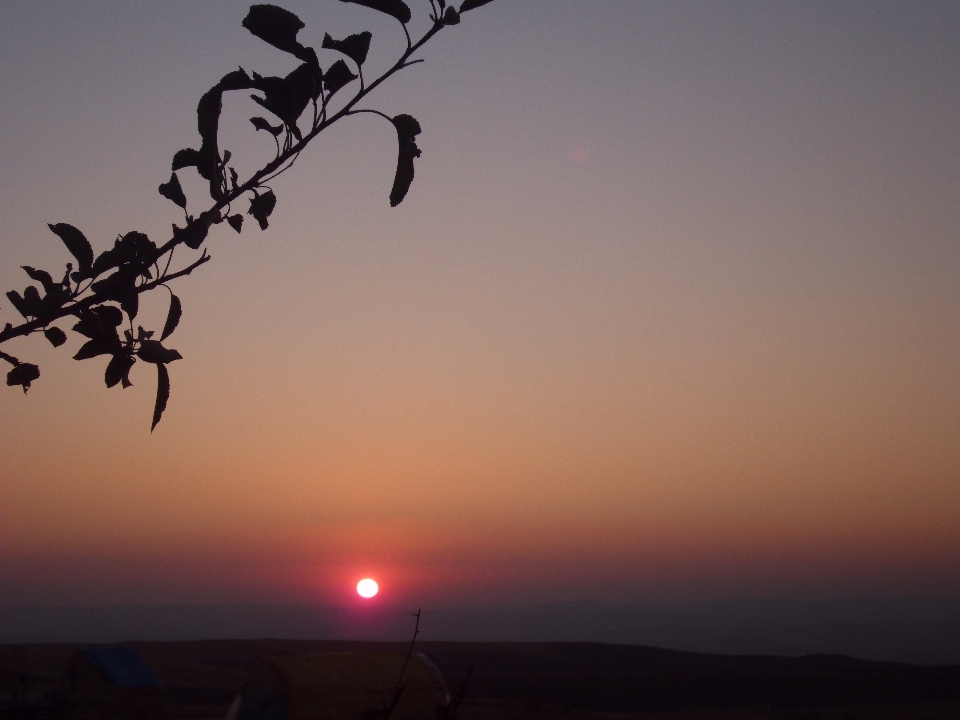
(102, 293)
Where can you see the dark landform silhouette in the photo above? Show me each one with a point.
(923, 631)
(201, 678)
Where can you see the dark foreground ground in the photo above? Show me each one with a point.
(565, 680)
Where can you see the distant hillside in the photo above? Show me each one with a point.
(914, 630)
(201, 677)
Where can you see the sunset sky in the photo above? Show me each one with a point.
(671, 311)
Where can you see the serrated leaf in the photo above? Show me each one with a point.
(172, 191)
(163, 394)
(95, 347)
(260, 124)
(207, 158)
(188, 157)
(32, 300)
(76, 243)
(304, 82)
(129, 300)
(354, 47)
(118, 370)
(407, 130)
(18, 302)
(262, 206)
(234, 80)
(473, 5)
(173, 317)
(288, 97)
(100, 323)
(396, 8)
(236, 222)
(23, 375)
(118, 282)
(193, 235)
(337, 76)
(109, 315)
(451, 17)
(55, 335)
(152, 351)
(42, 277)
(277, 26)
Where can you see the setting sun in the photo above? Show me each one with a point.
(367, 588)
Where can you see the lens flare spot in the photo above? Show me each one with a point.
(367, 588)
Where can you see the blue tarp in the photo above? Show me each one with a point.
(122, 666)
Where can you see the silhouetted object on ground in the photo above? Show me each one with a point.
(512, 680)
(101, 293)
(27, 695)
(113, 682)
(335, 686)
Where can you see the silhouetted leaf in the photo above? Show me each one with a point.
(262, 206)
(305, 82)
(287, 97)
(32, 300)
(187, 157)
(207, 159)
(173, 317)
(236, 222)
(97, 346)
(55, 335)
(208, 120)
(22, 375)
(396, 8)
(42, 277)
(127, 249)
(354, 47)
(163, 394)
(123, 278)
(337, 76)
(407, 130)
(118, 370)
(260, 124)
(76, 243)
(172, 191)
(278, 27)
(472, 4)
(193, 235)
(18, 302)
(451, 17)
(108, 315)
(129, 300)
(234, 80)
(152, 351)
(100, 323)
(106, 260)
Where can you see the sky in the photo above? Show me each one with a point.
(669, 314)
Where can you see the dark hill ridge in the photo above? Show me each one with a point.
(201, 677)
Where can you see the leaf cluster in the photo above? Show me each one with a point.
(101, 293)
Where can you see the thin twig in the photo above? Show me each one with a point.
(269, 170)
(458, 698)
(398, 690)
